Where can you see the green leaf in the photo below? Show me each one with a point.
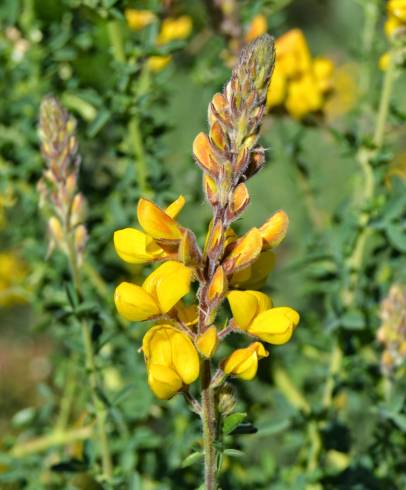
(192, 459)
(397, 236)
(234, 453)
(99, 122)
(399, 419)
(353, 320)
(232, 421)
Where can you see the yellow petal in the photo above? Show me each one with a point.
(245, 251)
(176, 207)
(274, 230)
(133, 303)
(187, 314)
(158, 63)
(168, 284)
(276, 325)
(257, 27)
(243, 363)
(207, 342)
(255, 276)
(156, 222)
(135, 247)
(244, 307)
(163, 381)
(156, 345)
(184, 357)
(138, 19)
(217, 286)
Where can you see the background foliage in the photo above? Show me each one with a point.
(327, 416)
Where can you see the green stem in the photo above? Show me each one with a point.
(385, 101)
(101, 413)
(371, 11)
(116, 40)
(91, 369)
(117, 44)
(209, 428)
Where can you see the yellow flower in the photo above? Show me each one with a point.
(255, 276)
(138, 19)
(397, 8)
(158, 63)
(243, 251)
(277, 89)
(323, 72)
(207, 342)
(274, 230)
(303, 96)
(253, 313)
(172, 360)
(12, 274)
(136, 247)
(243, 363)
(159, 293)
(292, 53)
(174, 29)
(257, 27)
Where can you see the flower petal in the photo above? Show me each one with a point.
(133, 303)
(175, 207)
(275, 325)
(163, 381)
(184, 357)
(168, 284)
(156, 222)
(244, 307)
(207, 342)
(135, 247)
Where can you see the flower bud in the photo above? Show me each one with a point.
(205, 156)
(188, 251)
(243, 363)
(243, 252)
(226, 399)
(239, 201)
(217, 287)
(207, 342)
(210, 189)
(274, 230)
(138, 19)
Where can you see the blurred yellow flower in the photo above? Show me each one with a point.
(12, 274)
(174, 29)
(160, 292)
(257, 27)
(253, 313)
(299, 83)
(158, 63)
(243, 363)
(172, 360)
(138, 19)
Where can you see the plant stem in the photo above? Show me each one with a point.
(91, 369)
(209, 428)
(101, 413)
(384, 102)
(117, 44)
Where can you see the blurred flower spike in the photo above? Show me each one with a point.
(228, 155)
(59, 196)
(392, 333)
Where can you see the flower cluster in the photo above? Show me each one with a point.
(300, 83)
(395, 30)
(66, 206)
(228, 266)
(392, 333)
(171, 29)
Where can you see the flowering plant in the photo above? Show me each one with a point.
(184, 339)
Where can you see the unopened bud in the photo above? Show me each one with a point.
(274, 230)
(226, 399)
(188, 251)
(217, 287)
(239, 201)
(207, 342)
(244, 252)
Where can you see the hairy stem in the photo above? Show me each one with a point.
(209, 428)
